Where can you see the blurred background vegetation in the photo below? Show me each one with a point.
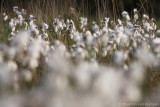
(88, 8)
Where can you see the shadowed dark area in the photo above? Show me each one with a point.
(91, 7)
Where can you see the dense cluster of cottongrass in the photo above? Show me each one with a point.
(68, 65)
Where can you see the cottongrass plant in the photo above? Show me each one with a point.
(68, 65)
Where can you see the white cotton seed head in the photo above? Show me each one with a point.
(133, 93)
(120, 57)
(6, 18)
(31, 17)
(126, 15)
(15, 8)
(23, 11)
(76, 36)
(45, 26)
(21, 40)
(26, 75)
(158, 32)
(33, 64)
(145, 17)
(135, 10)
(108, 82)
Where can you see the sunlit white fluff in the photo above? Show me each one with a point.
(126, 15)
